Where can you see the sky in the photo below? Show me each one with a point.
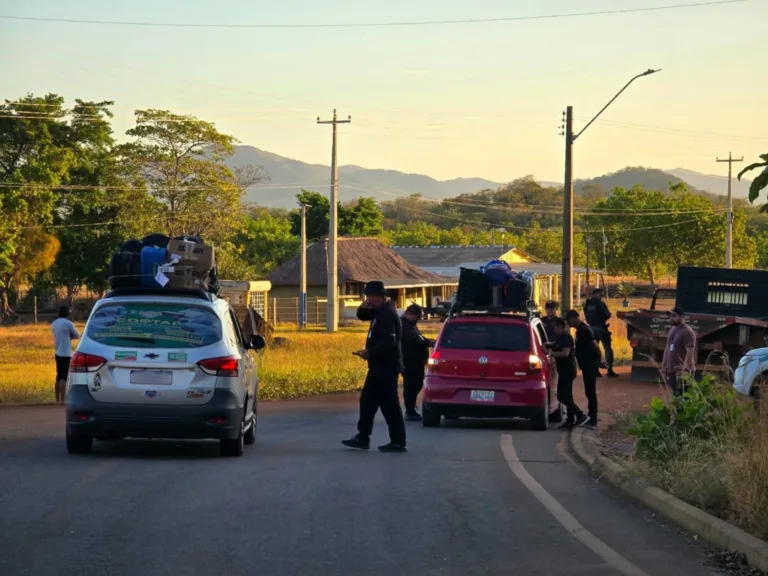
(449, 101)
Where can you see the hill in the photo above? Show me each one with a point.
(354, 180)
(288, 176)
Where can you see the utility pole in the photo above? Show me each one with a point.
(332, 320)
(566, 302)
(303, 272)
(729, 217)
(566, 297)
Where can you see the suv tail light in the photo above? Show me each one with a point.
(433, 361)
(226, 366)
(534, 363)
(86, 362)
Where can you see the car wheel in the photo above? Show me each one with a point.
(250, 435)
(430, 418)
(234, 448)
(79, 444)
(540, 421)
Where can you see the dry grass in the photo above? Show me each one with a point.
(725, 474)
(310, 363)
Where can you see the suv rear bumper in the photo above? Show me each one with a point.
(481, 410)
(136, 421)
(523, 394)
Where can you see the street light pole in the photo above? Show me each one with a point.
(567, 266)
(303, 271)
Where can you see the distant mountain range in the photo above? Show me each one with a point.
(288, 176)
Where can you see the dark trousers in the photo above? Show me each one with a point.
(380, 391)
(676, 384)
(603, 335)
(413, 382)
(589, 376)
(565, 395)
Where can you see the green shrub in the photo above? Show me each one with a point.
(707, 410)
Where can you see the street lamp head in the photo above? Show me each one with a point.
(651, 71)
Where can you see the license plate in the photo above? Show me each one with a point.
(155, 377)
(482, 395)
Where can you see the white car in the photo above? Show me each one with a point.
(752, 373)
(163, 363)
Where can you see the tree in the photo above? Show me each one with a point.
(360, 218)
(179, 160)
(760, 182)
(318, 215)
(35, 157)
(267, 240)
(88, 211)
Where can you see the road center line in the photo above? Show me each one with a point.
(606, 553)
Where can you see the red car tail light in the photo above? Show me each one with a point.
(433, 361)
(534, 363)
(226, 366)
(86, 362)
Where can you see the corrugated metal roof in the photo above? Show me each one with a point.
(425, 256)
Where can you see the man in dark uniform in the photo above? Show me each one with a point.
(562, 349)
(385, 359)
(588, 356)
(550, 314)
(415, 356)
(597, 314)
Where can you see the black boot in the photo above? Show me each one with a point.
(393, 447)
(357, 442)
(412, 416)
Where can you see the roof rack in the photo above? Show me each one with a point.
(152, 291)
(530, 311)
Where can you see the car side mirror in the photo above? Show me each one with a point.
(257, 342)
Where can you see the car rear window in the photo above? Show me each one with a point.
(508, 337)
(151, 325)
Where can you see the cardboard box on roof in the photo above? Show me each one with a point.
(187, 277)
(200, 256)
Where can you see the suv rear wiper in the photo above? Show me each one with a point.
(497, 349)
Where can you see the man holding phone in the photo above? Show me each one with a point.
(384, 356)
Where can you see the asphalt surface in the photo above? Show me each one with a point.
(299, 503)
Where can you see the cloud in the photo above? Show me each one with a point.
(414, 72)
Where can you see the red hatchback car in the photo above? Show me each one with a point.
(491, 366)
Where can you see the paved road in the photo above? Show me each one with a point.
(470, 498)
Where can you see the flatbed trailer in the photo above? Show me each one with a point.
(727, 309)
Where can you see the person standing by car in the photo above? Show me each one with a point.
(384, 356)
(597, 314)
(63, 334)
(563, 350)
(550, 315)
(679, 358)
(588, 357)
(415, 355)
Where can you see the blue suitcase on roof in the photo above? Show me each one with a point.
(151, 259)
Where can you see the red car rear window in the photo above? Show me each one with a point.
(508, 337)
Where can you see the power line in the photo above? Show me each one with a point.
(376, 24)
(680, 131)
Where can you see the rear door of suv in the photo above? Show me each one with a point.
(149, 352)
(486, 348)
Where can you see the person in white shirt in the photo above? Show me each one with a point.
(63, 334)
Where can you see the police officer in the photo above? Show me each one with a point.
(550, 311)
(415, 354)
(384, 357)
(588, 357)
(597, 314)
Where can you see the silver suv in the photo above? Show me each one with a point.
(162, 363)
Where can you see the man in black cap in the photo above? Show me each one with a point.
(597, 314)
(415, 356)
(385, 359)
